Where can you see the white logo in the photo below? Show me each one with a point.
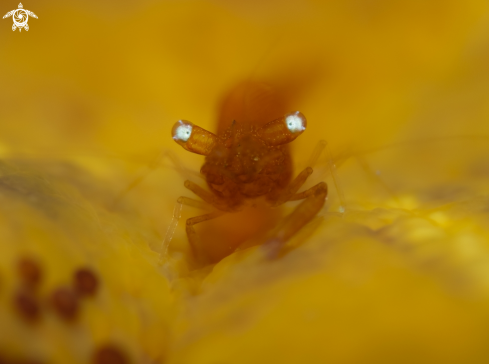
(20, 17)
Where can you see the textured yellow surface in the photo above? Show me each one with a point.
(87, 99)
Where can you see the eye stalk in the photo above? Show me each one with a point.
(283, 130)
(193, 138)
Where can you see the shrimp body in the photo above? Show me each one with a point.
(242, 166)
(245, 163)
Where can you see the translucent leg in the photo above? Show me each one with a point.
(368, 170)
(149, 169)
(177, 214)
(332, 170)
(318, 150)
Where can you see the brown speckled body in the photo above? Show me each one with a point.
(242, 166)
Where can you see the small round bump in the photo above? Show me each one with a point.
(85, 282)
(65, 303)
(29, 271)
(182, 130)
(296, 122)
(27, 306)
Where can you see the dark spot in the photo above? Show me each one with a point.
(29, 271)
(109, 354)
(65, 303)
(27, 306)
(85, 282)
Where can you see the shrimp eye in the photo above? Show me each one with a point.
(283, 130)
(193, 138)
(296, 122)
(182, 130)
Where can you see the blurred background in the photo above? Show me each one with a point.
(399, 90)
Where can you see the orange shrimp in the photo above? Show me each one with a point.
(248, 164)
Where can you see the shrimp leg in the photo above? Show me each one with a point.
(292, 188)
(206, 196)
(314, 199)
(290, 193)
(194, 241)
(177, 213)
(177, 164)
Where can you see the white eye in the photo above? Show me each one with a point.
(183, 131)
(296, 122)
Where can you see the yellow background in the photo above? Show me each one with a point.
(88, 97)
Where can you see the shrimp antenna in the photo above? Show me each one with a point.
(165, 154)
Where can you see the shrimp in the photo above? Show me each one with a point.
(244, 164)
